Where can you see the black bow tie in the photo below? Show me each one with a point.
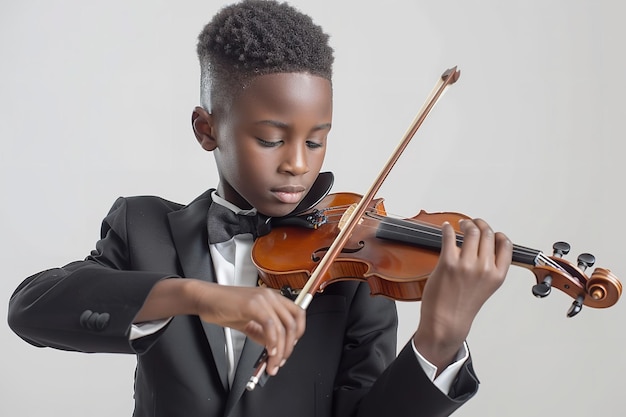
(223, 224)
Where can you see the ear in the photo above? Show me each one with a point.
(202, 124)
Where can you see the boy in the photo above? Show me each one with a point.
(167, 283)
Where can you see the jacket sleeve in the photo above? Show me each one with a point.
(86, 305)
(375, 382)
(407, 391)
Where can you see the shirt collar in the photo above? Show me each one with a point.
(219, 200)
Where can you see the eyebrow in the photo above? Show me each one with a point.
(282, 125)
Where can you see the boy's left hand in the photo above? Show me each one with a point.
(464, 278)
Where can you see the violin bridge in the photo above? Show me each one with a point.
(346, 215)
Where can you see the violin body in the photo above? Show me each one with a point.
(289, 254)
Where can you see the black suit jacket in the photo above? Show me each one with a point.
(344, 365)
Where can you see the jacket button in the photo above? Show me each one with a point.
(93, 320)
(102, 321)
(84, 318)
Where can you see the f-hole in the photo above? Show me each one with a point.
(316, 258)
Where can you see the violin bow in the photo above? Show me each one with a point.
(312, 285)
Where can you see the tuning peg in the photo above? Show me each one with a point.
(576, 306)
(543, 288)
(560, 249)
(586, 260)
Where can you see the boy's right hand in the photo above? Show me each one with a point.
(262, 314)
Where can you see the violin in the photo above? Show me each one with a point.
(350, 237)
(396, 256)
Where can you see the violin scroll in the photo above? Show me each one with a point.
(601, 290)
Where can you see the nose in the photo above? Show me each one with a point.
(295, 160)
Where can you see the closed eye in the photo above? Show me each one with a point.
(314, 145)
(269, 144)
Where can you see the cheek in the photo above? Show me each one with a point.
(317, 160)
(249, 165)
(232, 152)
(248, 170)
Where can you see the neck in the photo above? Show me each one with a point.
(429, 236)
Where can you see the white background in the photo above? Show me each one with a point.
(95, 102)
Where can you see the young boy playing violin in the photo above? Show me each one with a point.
(175, 284)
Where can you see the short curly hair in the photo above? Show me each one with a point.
(258, 37)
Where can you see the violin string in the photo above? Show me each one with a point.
(335, 213)
(415, 226)
(547, 261)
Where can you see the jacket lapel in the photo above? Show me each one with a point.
(245, 368)
(189, 231)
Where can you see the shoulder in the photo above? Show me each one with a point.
(149, 204)
(144, 211)
(146, 205)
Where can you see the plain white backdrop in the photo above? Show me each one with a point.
(95, 102)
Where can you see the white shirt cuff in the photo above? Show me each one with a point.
(445, 379)
(138, 330)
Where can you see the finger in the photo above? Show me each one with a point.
(274, 328)
(471, 240)
(292, 319)
(486, 248)
(289, 325)
(261, 320)
(449, 249)
(254, 331)
(504, 252)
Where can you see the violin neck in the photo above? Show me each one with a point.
(430, 236)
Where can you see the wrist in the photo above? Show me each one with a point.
(437, 346)
(194, 296)
(169, 297)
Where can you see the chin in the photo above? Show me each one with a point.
(278, 211)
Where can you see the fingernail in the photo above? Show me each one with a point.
(275, 370)
(295, 342)
(282, 363)
(274, 352)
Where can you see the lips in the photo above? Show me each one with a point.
(289, 194)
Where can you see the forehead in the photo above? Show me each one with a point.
(285, 94)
